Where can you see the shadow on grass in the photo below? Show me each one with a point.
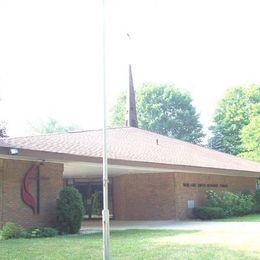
(127, 244)
(133, 233)
(150, 232)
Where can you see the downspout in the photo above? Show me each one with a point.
(2, 192)
(175, 195)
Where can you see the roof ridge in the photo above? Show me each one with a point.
(32, 135)
(98, 129)
(62, 133)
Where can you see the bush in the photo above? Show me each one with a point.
(36, 232)
(206, 213)
(69, 211)
(233, 204)
(257, 201)
(11, 230)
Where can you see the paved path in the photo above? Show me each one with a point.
(94, 226)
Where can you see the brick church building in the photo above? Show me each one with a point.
(150, 176)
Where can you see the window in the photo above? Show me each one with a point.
(258, 184)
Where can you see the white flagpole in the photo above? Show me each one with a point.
(105, 212)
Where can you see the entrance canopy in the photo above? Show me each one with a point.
(81, 170)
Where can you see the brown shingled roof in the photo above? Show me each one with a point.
(132, 144)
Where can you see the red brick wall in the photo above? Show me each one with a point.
(13, 208)
(144, 196)
(163, 196)
(198, 193)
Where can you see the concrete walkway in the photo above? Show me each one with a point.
(96, 226)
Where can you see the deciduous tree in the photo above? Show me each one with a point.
(2, 129)
(51, 126)
(232, 114)
(163, 109)
(250, 137)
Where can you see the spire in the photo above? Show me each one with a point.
(131, 116)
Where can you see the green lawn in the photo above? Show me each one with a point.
(248, 218)
(136, 244)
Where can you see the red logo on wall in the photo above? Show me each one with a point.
(27, 197)
(33, 174)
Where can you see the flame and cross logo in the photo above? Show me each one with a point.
(33, 174)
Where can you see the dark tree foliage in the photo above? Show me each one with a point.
(216, 141)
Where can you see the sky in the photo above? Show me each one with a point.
(50, 54)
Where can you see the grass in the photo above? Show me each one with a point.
(247, 218)
(136, 244)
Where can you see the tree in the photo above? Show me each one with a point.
(118, 111)
(52, 126)
(232, 114)
(163, 109)
(2, 129)
(216, 142)
(250, 137)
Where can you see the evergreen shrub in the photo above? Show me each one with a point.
(69, 211)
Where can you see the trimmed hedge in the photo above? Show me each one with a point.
(206, 213)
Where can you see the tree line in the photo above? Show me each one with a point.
(168, 110)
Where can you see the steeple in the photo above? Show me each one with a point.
(131, 116)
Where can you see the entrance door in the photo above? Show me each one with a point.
(92, 194)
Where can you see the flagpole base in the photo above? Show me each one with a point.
(106, 233)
